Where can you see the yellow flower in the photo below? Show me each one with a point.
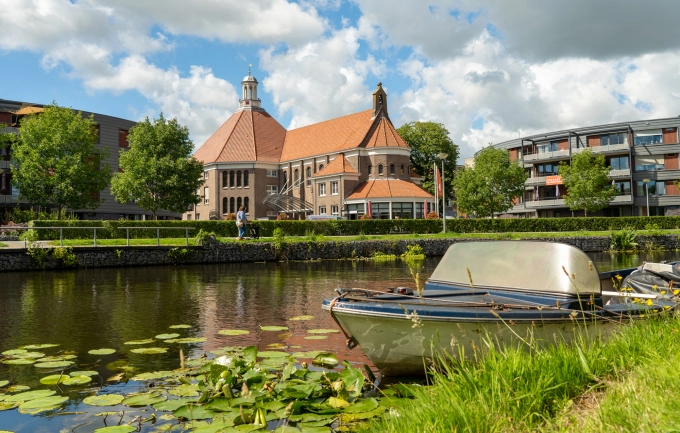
(655, 287)
(649, 302)
(663, 292)
(619, 277)
(676, 291)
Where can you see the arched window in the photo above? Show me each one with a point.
(380, 169)
(225, 205)
(231, 178)
(370, 170)
(320, 167)
(402, 169)
(285, 179)
(391, 168)
(245, 178)
(239, 203)
(309, 176)
(225, 179)
(232, 205)
(238, 179)
(296, 175)
(246, 203)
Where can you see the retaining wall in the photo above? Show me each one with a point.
(230, 252)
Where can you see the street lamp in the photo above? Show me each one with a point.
(443, 156)
(646, 181)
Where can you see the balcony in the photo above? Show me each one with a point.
(534, 181)
(545, 202)
(619, 173)
(622, 199)
(610, 148)
(547, 155)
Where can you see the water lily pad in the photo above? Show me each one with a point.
(272, 354)
(116, 429)
(365, 405)
(349, 417)
(7, 406)
(17, 388)
(276, 345)
(107, 413)
(233, 332)
(316, 337)
(154, 375)
(172, 405)
(285, 335)
(14, 352)
(30, 395)
(67, 357)
(147, 341)
(274, 328)
(146, 399)
(166, 336)
(326, 359)
(3, 383)
(32, 355)
(84, 373)
(302, 318)
(102, 351)
(193, 411)
(44, 403)
(77, 380)
(150, 350)
(39, 346)
(52, 379)
(51, 359)
(188, 340)
(323, 331)
(53, 364)
(185, 391)
(19, 361)
(179, 326)
(103, 400)
(121, 364)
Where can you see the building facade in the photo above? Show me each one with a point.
(112, 138)
(643, 161)
(346, 167)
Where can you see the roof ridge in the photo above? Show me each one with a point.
(329, 120)
(231, 132)
(252, 128)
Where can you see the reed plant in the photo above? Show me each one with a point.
(553, 388)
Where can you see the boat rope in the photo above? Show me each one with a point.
(351, 342)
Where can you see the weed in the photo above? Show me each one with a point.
(65, 255)
(37, 254)
(203, 237)
(380, 256)
(119, 254)
(180, 253)
(623, 240)
(413, 251)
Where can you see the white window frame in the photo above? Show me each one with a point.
(322, 189)
(334, 209)
(272, 189)
(272, 173)
(206, 195)
(334, 188)
(322, 210)
(206, 174)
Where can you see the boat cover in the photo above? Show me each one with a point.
(652, 279)
(546, 267)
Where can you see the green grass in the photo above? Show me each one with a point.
(627, 384)
(2, 245)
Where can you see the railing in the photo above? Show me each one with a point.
(5, 164)
(623, 199)
(546, 202)
(10, 199)
(127, 232)
(547, 155)
(619, 172)
(610, 148)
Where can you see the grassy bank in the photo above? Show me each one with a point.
(628, 384)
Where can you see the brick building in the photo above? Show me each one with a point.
(348, 166)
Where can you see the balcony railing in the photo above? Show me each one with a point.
(10, 199)
(620, 172)
(623, 199)
(5, 165)
(545, 202)
(546, 155)
(610, 148)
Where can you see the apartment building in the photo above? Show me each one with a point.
(349, 166)
(112, 133)
(642, 156)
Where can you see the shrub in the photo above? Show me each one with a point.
(623, 240)
(366, 217)
(230, 217)
(432, 215)
(282, 217)
(65, 255)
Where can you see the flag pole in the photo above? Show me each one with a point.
(436, 189)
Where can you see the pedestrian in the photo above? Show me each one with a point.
(241, 222)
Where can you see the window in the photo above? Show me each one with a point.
(245, 179)
(334, 210)
(225, 205)
(246, 204)
(334, 188)
(122, 139)
(370, 170)
(238, 179)
(320, 167)
(380, 170)
(296, 176)
(189, 217)
(232, 205)
(198, 216)
(206, 194)
(322, 210)
(309, 176)
(206, 175)
(655, 188)
(285, 179)
(272, 189)
(649, 163)
(420, 209)
(231, 178)
(619, 163)
(239, 203)
(402, 169)
(547, 169)
(402, 210)
(391, 168)
(548, 147)
(322, 190)
(380, 211)
(621, 138)
(355, 210)
(622, 187)
(225, 179)
(645, 138)
(272, 173)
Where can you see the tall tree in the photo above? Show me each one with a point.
(587, 180)
(55, 161)
(157, 169)
(427, 139)
(491, 185)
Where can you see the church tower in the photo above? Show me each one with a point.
(249, 99)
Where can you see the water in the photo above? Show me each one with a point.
(103, 308)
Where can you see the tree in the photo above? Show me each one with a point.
(157, 169)
(491, 185)
(55, 161)
(587, 180)
(427, 139)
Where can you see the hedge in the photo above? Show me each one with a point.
(110, 229)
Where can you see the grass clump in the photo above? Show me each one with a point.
(623, 240)
(383, 257)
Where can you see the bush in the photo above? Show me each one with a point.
(624, 240)
(282, 217)
(432, 215)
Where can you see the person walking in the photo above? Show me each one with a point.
(241, 222)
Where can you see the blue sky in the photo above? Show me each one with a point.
(489, 70)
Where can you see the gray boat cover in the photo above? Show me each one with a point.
(652, 279)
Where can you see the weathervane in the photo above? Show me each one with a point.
(249, 65)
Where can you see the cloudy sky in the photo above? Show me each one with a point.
(489, 70)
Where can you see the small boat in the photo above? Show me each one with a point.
(506, 292)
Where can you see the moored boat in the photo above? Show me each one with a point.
(508, 292)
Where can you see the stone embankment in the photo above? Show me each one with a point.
(232, 252)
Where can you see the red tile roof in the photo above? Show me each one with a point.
(337, 166)
(248, 135)
(388, 188)
(385, 136)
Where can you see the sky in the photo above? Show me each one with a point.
(489, 70)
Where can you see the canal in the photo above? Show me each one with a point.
(85, 310)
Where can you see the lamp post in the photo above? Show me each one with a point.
(443, 156)
(646, 181)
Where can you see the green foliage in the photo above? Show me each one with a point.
(203, 237)
(426, 140)
(490, 186)
(55, 161)
(279, 234)
(587, 180)
(65, 255)
(119, 254)
(158, 171)
(653, 229)
(180, 253)
(413, 251)
(380, 256)
(624, 240)
(37, 254)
